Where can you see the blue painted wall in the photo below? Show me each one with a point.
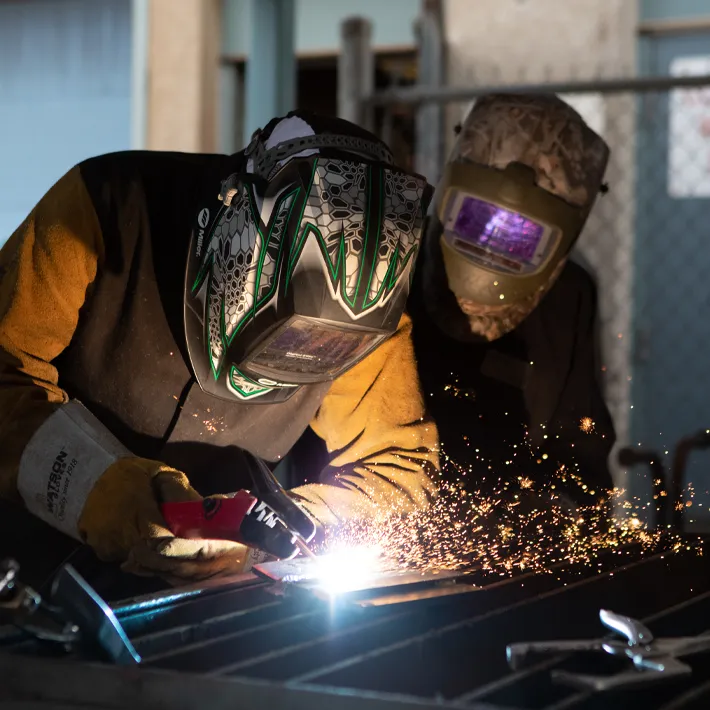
(673, 9)
(318, 23)
(65, 93)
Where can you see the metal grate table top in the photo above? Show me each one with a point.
(449, 651)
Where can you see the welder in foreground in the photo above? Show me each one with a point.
(504, 320)
(161, 313)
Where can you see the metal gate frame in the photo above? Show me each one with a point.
(615, 313)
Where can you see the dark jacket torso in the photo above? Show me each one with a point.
(519, 406)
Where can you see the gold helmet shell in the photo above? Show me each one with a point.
(530, 158)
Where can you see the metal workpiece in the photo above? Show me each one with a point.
(84, 686)
(93, 617)
(445, 645)
(308, 573)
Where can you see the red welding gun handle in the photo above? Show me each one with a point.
(241, 518)
(209, 518)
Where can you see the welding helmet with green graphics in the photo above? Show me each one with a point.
(514, 197)
(304, 267)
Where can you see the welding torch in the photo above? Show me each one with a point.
(265, 517)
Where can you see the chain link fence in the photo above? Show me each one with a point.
(647, 243)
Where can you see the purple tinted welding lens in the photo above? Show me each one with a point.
(498, 230)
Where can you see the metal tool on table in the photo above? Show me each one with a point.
(652, 659)
(73, 616)
(266, 517)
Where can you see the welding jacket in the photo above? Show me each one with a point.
(521, 406)
(91, 308)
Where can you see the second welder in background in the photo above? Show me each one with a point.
(504, 321)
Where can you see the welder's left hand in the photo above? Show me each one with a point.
(330, 506)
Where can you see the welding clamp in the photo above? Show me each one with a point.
(651, 659)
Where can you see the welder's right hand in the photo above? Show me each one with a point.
(121, 521)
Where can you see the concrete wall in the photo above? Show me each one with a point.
(503, 42)
(537, 40)
(183, 61)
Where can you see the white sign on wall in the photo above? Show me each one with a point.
(689, 132)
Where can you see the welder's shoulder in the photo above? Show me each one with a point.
(572, 301)
(151, 160)
(132, 191)
(169, 170)
(576, 284)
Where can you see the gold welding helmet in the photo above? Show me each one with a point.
(515, 194)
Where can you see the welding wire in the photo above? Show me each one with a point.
(303, 547)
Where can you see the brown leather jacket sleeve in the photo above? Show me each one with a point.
(384, 447)
(45, 269)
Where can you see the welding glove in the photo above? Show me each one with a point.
(76, 476)
(323, 502)
(121, 520)
(331, 506)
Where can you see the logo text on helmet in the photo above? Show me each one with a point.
(203, 220)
